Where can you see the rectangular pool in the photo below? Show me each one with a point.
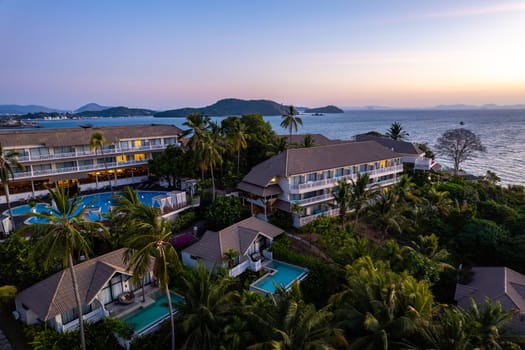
(151, 315)
(280, 274)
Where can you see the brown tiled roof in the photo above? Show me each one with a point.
(238, 237)
(496, 283)
(306, 160)
(398, 146)
(55, 294)
(318, 139)
(258, 190)
(81, 136)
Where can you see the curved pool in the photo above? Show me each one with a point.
(96, 205)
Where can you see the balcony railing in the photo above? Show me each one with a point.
(333, 181)
(76, 154)
(76, 169)
(307, 219)
(315, 199)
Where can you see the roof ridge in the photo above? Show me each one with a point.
(62, 273)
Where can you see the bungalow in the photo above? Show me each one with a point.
(249, 238)
(499, 284)
(101, 281)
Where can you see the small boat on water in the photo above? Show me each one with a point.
(85, 125)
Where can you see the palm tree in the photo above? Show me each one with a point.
(396, 132)
(8, 161)
(208, 307)
(238, 137)
(197, 124)
(64, 235)
(359, 195)
(308, 141)
(386, 213)
(288, 323)
(290, 121)
(97, 143)
(150, 240)
(210, 156)
(229, 257)
(343, 197)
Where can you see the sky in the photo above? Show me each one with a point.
(171, 54)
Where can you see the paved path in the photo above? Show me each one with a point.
(4, 343)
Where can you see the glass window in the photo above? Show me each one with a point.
(124, 145)
(63, 165)
(156, 142)
(139, 156)
(170, 140)
(312, 177)
(64, 149)
(339, 172)
(40, 151)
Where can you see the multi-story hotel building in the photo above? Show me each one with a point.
(64, 156)
(301, 181)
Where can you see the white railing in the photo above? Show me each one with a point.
(105, 152)
(93, 316)
(75, 169)
(239, 269)
(333, 181)
(306, 219)
(255, 265)
(315, 199)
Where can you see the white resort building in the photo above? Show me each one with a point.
(64, 157)
(301, 180)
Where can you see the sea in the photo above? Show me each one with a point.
(501, 131)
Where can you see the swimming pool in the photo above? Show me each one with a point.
(96, 205)
(280, 274)
(24, 209)
(143, 319)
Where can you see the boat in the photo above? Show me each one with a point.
(85, 125)
(317, 114)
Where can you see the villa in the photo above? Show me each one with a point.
(250, 238)
(102, 283)
(499, 284)
(63, 157)
(301, 181)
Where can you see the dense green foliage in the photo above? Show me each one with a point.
(225, 211)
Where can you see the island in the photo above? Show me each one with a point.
(326, 109)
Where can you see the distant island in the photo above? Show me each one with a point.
(117, 112)
(326, 109)
(229, 106)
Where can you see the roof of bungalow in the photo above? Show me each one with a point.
(305, 160)
(55, 294)
(82, 136)
(398, 146)
(496, 283)
(318, 139)
(238, 237)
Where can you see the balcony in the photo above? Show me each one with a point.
(77, 169)
(78, 154)
(298, 222)
(316, 199)
(332, 182)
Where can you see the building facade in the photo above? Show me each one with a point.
(301, 181)
(64, 156)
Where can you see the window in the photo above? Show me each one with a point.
(327, 174)
(339, 172)
(170, 141)
(41, 151)
(155, 142)
(138, 143)
(124, 145)
(297, 180)
(312, 177)
(64, 149)
(295, 197)
(362, 168)
(139, 156)
(122, 159)
(65, 165)
(85, 163)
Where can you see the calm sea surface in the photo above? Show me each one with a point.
(501, 131)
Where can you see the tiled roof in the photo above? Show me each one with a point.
(81, 136)
(318, 139)
(305, 160)
(238, 237)
(258, 190)
(496, 283)
(398, 146)
(55, 294)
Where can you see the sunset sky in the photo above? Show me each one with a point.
(170, 54)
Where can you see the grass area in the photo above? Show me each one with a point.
(14, 331)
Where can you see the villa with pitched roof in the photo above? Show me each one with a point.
(301, 181)
(101, 281)
(499, 284)
(250, 238)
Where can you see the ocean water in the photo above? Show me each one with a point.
(502, 132)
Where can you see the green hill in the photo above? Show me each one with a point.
(117, 112)
(229, 106)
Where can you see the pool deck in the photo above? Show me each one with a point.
(272, 271)
(119, 310)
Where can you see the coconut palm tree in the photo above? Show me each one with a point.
(64, 234)
(237, 138)
(396, 132)
(290, 121)
(97, 143)
(209, 306)
(150, 241)
(308, 141)
(359, 194)
(210, 156)
(8, 161)
(197, 124)
(342, 197)
(229, 257)
(386, 212)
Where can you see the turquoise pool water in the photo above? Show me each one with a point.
(24, 209)
(151, 314)
(96, 205)
(285, 275)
